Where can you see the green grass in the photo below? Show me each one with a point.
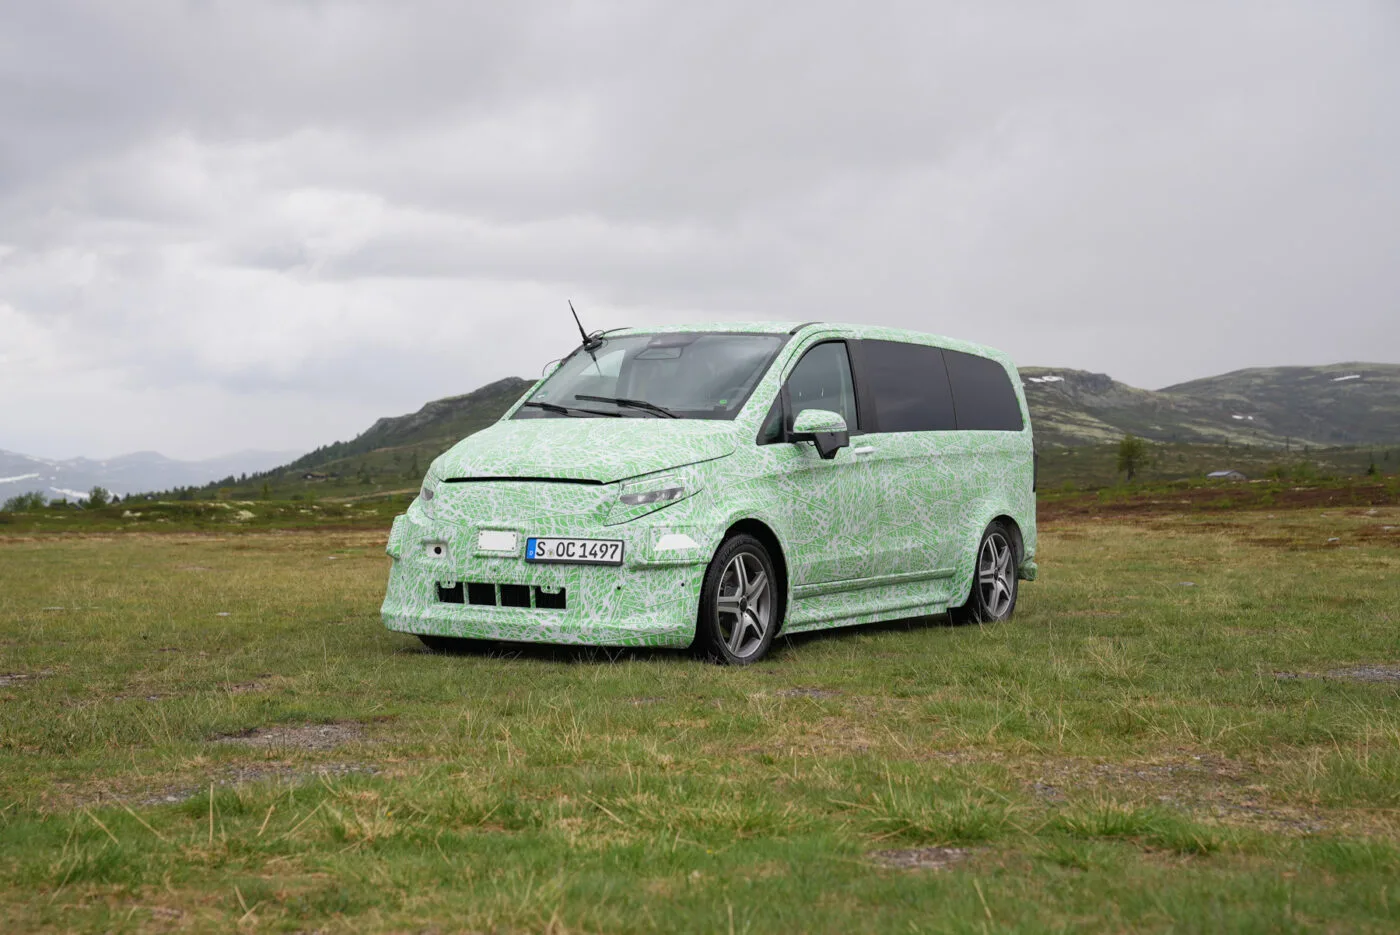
(1162, 740)
(226, 516)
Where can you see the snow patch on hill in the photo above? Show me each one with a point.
(17, 477)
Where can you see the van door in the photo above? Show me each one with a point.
(911, 448)
(829, 509)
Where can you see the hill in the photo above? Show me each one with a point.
(1274, 407)
(437, 426)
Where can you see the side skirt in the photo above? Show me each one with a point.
(868, 600)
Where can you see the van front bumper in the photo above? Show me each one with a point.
(440, 582)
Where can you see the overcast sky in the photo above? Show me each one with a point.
(233, 225)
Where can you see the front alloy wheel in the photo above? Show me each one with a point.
(738, 604)
(993, 594)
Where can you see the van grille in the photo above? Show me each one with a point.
(492, 594)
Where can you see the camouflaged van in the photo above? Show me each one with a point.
(715, 485)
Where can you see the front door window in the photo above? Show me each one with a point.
(822, 380)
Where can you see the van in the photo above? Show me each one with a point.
(713, 486)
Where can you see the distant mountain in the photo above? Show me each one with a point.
(130, 473)
(1332, 405)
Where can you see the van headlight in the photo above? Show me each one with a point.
(428, 493)
(663, 494)
(643, 496)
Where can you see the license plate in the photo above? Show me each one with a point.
(579, 551)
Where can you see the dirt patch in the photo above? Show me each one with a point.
(1378, 673)
(298, 736)
(807, 693)
(175, 793)
(1367, 673)
(19, 678)
(921, 858)
(1207, 786)
(265, 682)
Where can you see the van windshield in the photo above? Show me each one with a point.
(688, 375)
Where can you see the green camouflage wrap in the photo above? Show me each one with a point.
(887, 529)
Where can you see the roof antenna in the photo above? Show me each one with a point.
(591, 342)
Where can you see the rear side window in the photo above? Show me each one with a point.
(908, 387)
(983, 393)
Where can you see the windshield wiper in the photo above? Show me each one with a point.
(631, 404)
(569, 410)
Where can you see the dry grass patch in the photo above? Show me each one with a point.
(317, 737)
(921, 858)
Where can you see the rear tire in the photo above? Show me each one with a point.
(453, 645)
(994, 584)
(739, 604)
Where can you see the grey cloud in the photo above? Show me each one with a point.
(234, 200)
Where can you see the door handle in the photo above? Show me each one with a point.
(863, 450)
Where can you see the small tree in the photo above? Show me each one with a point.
(25, 502)
(266, 491)
(1132, 455)
(98, 497)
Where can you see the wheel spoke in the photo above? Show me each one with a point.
(757, 585)
(727, 605)
(736, 635)
(1003, 597)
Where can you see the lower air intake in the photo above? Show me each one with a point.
(483, 594)
(545, 600)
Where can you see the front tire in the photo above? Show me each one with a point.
(994, 584)
(739, 604)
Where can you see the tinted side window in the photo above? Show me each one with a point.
(983, 393)
(822, 380)
(908, 386)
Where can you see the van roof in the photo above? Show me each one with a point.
(872, 332)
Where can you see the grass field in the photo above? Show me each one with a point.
(1192, 724)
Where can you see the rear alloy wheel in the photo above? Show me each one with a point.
(993, 595)
(738, 603)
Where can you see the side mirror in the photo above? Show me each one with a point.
(826, 429)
